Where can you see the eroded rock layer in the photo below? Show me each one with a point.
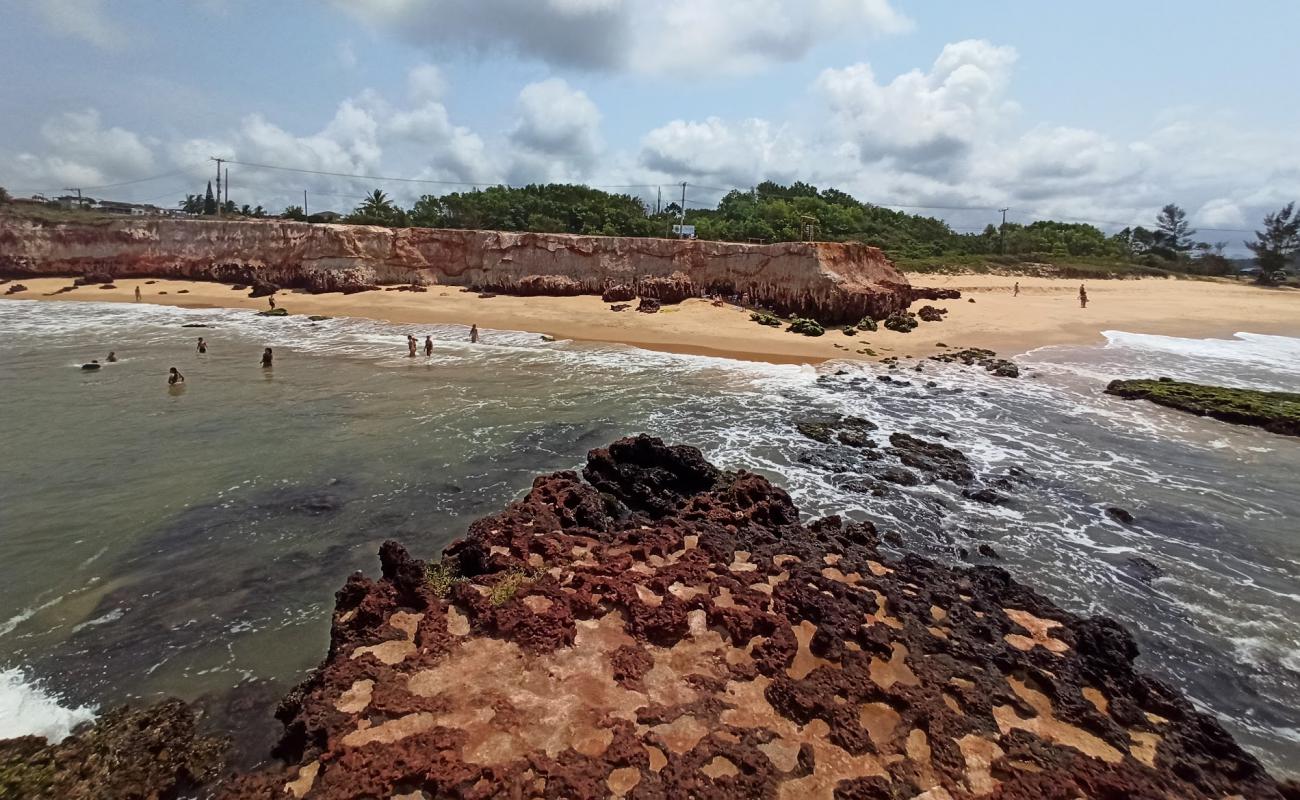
(831, 281)
(662, 629)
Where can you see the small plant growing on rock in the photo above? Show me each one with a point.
(766, 318)
(808, 327)
(504, 590)
(867, 324)
(442, 577)
(902, 322)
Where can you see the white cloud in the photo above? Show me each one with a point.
(425, 83)
(84, 20)
(555, 125)
(926, 122)
(670, 36)
(1220, 212)
(347, 54)
(80, 151)
(716, 151)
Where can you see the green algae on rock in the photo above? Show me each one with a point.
(1277, 412)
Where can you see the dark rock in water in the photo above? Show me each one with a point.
(689, 632)
(317, 318)
(981, 357)
(1120, 515)
(1276, 412)
(91, 366)
(898, 475)
(936, 459)
(148, 753)
(620, 307)
(618, 294)
(988, 552)
(15, 289)
(1142, 569)
(869, 486)
(986, 495)
(848, 430)
(263, 289)
(195, 325)
(649, 305)
(835, 459)
(274, 312)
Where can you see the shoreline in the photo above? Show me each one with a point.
(1046, 313)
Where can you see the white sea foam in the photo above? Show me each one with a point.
(26, 709)
(1275, 353)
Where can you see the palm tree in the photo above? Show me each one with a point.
(376, 205)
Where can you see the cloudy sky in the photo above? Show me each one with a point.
(1101, 111)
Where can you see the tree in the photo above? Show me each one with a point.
(209, 202)
(1173, 233)
(1277, 243)
(4, 196)
(377, 209)
(293, 212)
(192, 204)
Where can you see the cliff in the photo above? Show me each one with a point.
(834, 282)
(663, 629)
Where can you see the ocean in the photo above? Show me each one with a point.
(160, 541)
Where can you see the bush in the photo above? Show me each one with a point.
(765, 318)
(808, 327)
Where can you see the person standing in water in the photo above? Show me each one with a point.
(174, 377)
(1083, 297)
(112, 356)
(266, 358)
(137, 294)
(1015, 292)
(473, 334)
(428, 346)
(411, 345)
(202, 346)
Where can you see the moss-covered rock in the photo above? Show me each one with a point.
(849, 330)
(316, 317)
(1278, 412)
(766, 318)
(275, 312)
(868, 324)
(808, 327)
(902, 322)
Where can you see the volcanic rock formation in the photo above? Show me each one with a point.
(664, 629)
(832, 282)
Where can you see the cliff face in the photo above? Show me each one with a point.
(835, 282)
(662, 629)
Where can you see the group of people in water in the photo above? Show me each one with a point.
(1083, 294)
(413, 344)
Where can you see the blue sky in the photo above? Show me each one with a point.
(1102, 112)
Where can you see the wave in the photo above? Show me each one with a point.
(27, 709)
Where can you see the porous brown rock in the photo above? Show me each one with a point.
(657, 628)
(833, 282)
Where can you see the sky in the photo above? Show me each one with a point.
(1099, 112)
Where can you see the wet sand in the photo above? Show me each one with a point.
(1047, 312)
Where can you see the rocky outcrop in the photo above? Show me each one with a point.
(1277, 412)
(832, 282)
(657, 628)
(148, 753)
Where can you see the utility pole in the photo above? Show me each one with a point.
(659, 198)
(219, 161)
(227, 184)
(304, 204)
(683, 222)
(78, 191)
(1002, 232)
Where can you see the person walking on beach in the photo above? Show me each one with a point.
(1015, 292)
(174, 377)
(266, 358)
(112, 357)
(411, 344)
(270, 298)
(202, 346)
(473, 334)
(1083, 297)
(428, 346)
(137, 294)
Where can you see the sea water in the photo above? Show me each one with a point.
(157, 540)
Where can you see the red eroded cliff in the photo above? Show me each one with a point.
(834, 282)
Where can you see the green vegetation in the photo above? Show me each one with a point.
(766, 318)
(1276, 245)
(808, 327)
(317, 317)
(442, 576)
(275, 312)
(504, 590)
(902, 322)
(868, 324)
(549, 208)
(1278, 412)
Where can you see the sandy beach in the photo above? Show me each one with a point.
(1046, 312)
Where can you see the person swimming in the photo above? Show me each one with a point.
(202, 346)
(112, 357)
(473, 334)
(266, 358)
(174, 377)
(428, 345)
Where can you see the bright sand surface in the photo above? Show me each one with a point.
(1046, 312)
